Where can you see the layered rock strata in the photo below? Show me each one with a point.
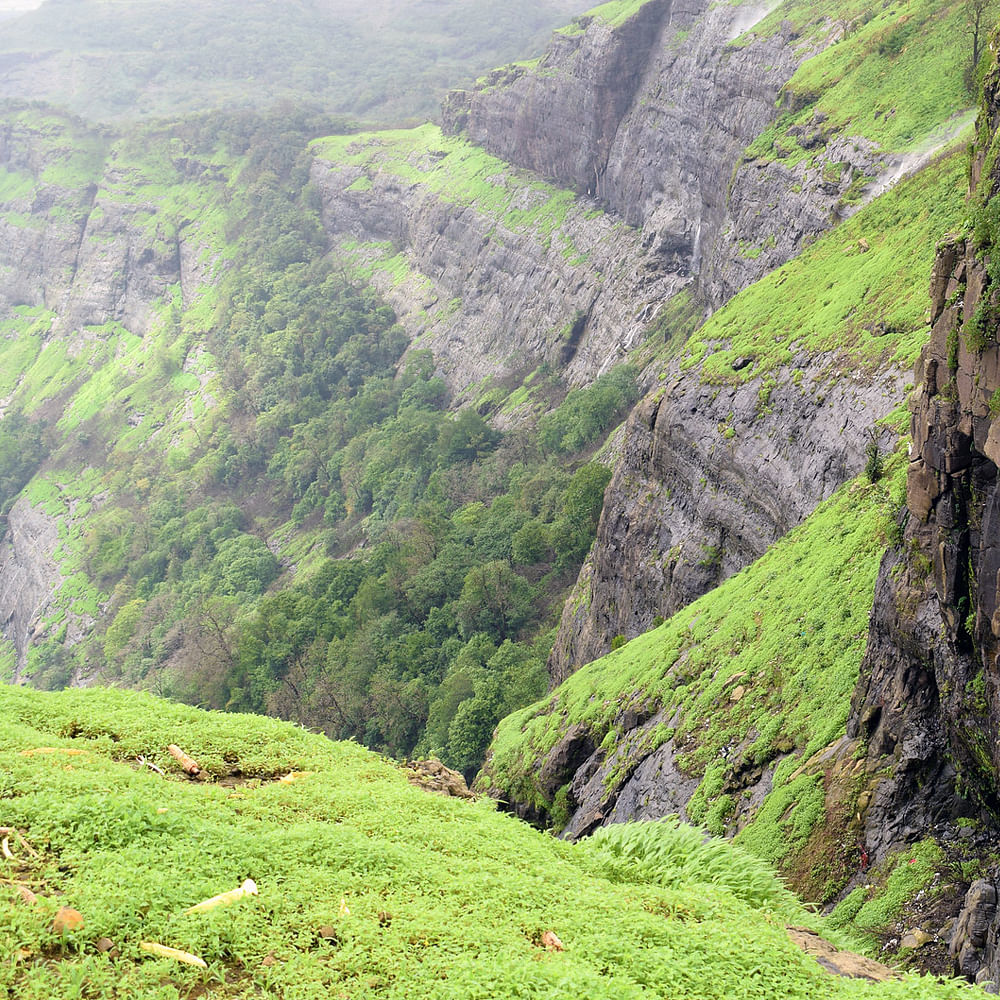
(652, 117)
(490, 298)
(649, 119)
(28, 576)
(928, 701)
(81, 239)
(691, 503)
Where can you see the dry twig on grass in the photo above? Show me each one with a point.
(7, 832)
(142, 762)
(189, 764)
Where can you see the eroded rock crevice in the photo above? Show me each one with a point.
(28, 576)
(928, 701)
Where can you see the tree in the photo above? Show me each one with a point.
(979, 21)
(494, 600)
(465, 438)
(21, 451)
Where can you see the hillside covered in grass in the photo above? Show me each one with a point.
(367, 886)
(258, 501)
(322, 424)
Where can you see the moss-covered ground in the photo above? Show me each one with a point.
(859, 292)
(461, 174)
(756, 673)
(367, 886)
(894, 73)
(612, 14)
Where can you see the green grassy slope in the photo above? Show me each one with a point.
(367, 886)
(790, 630)
(460, 173)
(858, 293)
(896, 72)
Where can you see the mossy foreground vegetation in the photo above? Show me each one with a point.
(368, 887)
(757, 672)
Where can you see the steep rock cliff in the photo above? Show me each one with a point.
(928, 702)
(495, 272)
(28, 576)
(74, 238)
(699, 715)
(739, 445)
(656, 119)
(688, 506)
(87, 250)
(651, 117)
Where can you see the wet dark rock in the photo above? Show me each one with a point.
(973, 928)
(927, 701)
(565, 759)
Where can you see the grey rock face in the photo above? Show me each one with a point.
(688, 506)
(90, 253)
(28, 575)
(973, 928)
(652, 119)
(772, 209)
(488, 299)
(926, 701)
(562, 119)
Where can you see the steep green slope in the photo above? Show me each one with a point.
(254, 500)
(367, 886)
(788, 633)
(746, 686)
(858, 295)
(896, 73)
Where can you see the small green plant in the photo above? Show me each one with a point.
(873, 458)
(952, 345)
(711, 556)
(979, 327)
(767, 387)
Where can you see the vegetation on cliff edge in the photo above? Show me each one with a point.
(366, 886)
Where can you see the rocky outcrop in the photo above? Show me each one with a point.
(488, 296)
(710, 476)
(652, 119)
(927, 699)
(79, 238)
(649, 119)
(976, 931)
(562, 119)
(928, 702)
(433, 776)
(28, 576)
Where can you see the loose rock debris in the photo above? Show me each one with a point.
(837, 962)
(433, 776)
